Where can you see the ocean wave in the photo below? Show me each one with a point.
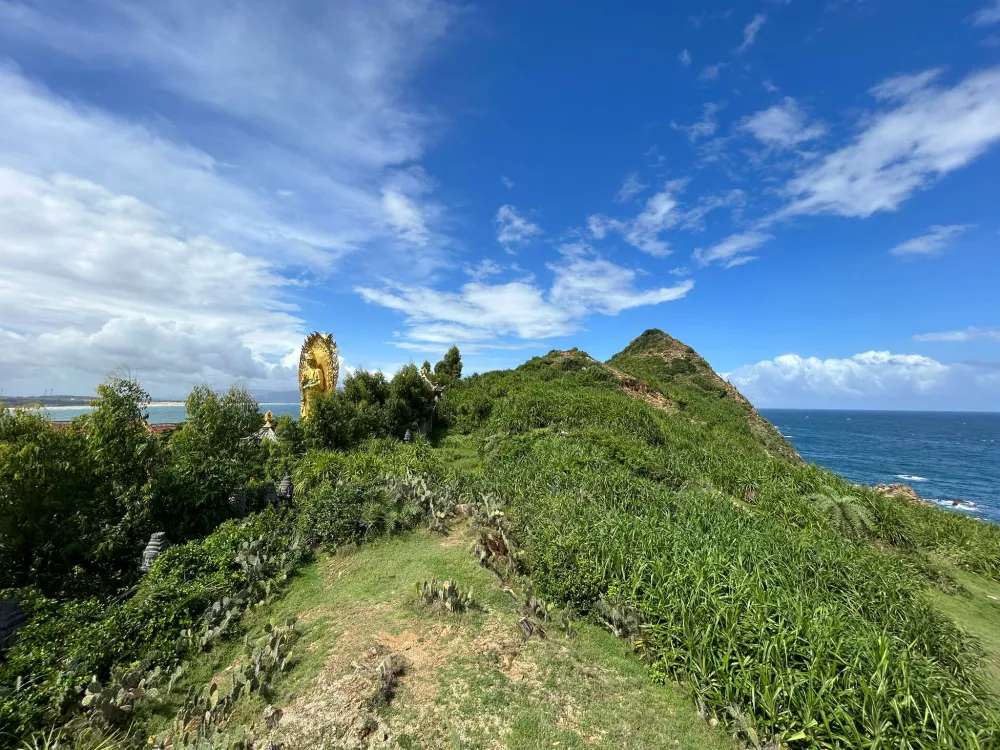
(965, 505)
(911, 477)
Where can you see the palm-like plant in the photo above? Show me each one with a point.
(847, 513)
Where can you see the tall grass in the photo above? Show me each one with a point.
(746, 589)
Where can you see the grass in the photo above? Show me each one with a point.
(472, 679)
(977, 611)
(693, 514)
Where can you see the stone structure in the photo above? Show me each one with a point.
(408, 436)
(319, 368)
(157, 544)
(286, 490)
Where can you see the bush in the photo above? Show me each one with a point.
(210, 456)
(65, 643)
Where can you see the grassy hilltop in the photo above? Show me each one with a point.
(638, 559)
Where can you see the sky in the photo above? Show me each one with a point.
(806, 192)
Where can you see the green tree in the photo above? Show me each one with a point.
(332, 422)
(46, 488)
(211, 455)
(124, 455)
(411, 402)
(449, 369)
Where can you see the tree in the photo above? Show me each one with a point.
(124, 455)
(332, 422)
(211, 455)
(449, 369)
(411, 401)
(369, 388)
(46, 490)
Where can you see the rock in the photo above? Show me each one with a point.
(902, 492)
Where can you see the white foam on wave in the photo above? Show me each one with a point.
(966, 505)
(911, 477)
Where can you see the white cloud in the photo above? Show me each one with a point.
(404, 217)
(988, 15)
(685, 58)
(630, 188)
(711, 72)
(769, 86)
(484, 269)
(512, 228)
(783, 126)
(968, 334)
(932, 243)
(704, 127)
(793, 380)
(750, 32)
(733, 250)
(933, 130)
(586, 285)
(93, 280)
(507, 182)
(660, 213)
(304, 151)
(502, 315)
(330, 78)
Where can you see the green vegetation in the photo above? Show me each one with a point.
(645, 497)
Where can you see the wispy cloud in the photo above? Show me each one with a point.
(704, 127)
(931, 131)
(711, 72)
(685, 58)
(733, 250)
(988, 15)
(933, 242)
(660, 213)
(512, 228)
(967, 334)
(783, 126)
(501, 315)
(507, 182)
(750, 32)
(630, 188)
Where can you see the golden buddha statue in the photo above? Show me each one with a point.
(319, 368)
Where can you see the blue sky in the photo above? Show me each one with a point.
(806, 192)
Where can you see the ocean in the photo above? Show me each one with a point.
(950, 458)
(160, 414)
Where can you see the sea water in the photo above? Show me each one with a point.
(159, 414)
(950, 458)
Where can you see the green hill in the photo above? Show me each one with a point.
(650, 564)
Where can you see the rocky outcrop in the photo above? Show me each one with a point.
(902, 492)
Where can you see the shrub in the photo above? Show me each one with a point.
(209, 457)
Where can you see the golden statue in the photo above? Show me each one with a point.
(319, 368)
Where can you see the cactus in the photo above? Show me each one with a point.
(448, 594)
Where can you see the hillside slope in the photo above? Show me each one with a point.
(643, 498)
(472, 680)
(677, 370)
